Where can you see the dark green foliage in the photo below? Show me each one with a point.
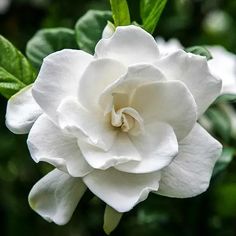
(89, 29)
(47, 41)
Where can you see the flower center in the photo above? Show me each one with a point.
(127, 119)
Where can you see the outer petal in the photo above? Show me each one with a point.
(122, 150)
(47, 143)
(56, 196)
(22, 111)
(190, 172)
(167, 47)
(96, 78)
(194, 72)
(121, 191)
(129, 45)
(223, 65)
(157, 147)
(75, 119)
(58, 78)
(168, 101)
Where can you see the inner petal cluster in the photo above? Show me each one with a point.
(127, 119)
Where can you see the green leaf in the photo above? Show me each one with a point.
(111, 219)
(89, 29)
(150, 11)
(200, 50)
(47, 41)
(120, 12)
(226, 157)
(226, 98)
(220, 122)
(15, 70)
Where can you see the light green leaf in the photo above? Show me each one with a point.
(47, 41)
(150, 11)
(15, 70)
(111, 219)
(89, 29)
(200, 50)
(120, 12)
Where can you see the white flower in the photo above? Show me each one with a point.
(122, 123)
(4, 5)
(223, 64)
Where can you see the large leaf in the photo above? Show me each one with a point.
(150, 11)
(89, 29)
(47, 41)
(120, 12)
(15, 70)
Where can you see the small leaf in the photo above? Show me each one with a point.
(15, 70)
(226, 157)
(120, 12)
(150, 11)
(47, 41)
(89, 29)
(111, 219)
(200, 50)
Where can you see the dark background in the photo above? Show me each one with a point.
(212, 213)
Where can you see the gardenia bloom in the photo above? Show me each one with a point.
(225, 71)
(122, 123)
(4, 5)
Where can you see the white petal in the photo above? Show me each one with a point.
(167, 47)
(122, 191)
(129, 45)
(111, 219)
(22, 111)
(56, 196)
(108, 30)
(47, 143)
(193, 71)
(122, 150)
(157, 146)
(136, 76)
(190, 172)
(58, 78)
(75, 119)
(168, 101)
(98, 75)
(223, 65)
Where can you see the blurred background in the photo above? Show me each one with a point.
(193, 22)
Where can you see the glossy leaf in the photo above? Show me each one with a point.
(15, 70)
(150, 11)
(120, 12)
(89, 29)
(47, 41)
